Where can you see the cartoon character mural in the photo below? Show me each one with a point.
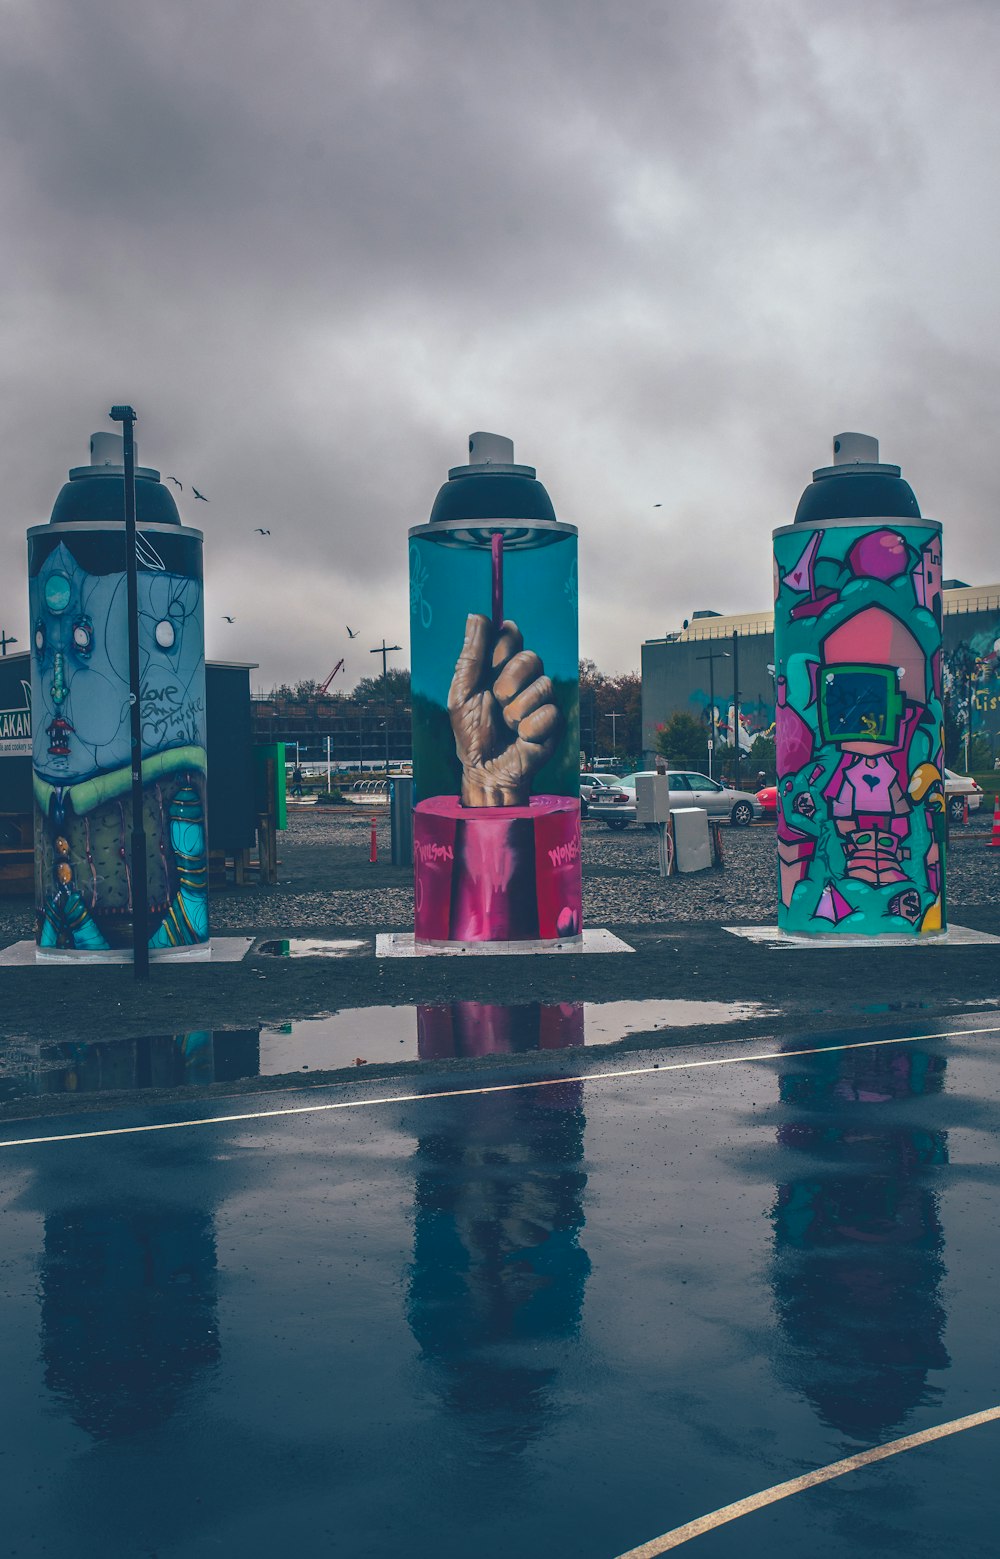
(859, 725)
(81, 727)
(493, 608)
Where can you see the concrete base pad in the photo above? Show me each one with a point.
(770, 936)
(400, 944)
(221, 950)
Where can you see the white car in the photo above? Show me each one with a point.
(591, 786)
(688, 788)
(959, 789)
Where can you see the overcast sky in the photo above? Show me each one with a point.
(670, 247)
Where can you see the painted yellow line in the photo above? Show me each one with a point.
(465, 1093)
(809, 1480)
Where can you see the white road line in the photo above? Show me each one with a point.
(463, 1093)
(809, 1480)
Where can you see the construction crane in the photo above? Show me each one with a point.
(338, 667)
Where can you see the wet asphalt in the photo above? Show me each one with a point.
(541, 1258)
(553, 1320)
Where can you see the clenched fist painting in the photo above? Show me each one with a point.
(505, 721)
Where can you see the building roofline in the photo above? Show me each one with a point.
(974, 598)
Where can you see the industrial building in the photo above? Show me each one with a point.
(681, 671)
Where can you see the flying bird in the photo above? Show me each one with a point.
(175, 482)
(198, 494)
(262, 532)
(352, 633)
(229, 619)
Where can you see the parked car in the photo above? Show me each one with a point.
(687, 789)
(959, 789)
(768, 798)
(613, 805)
(594, 784)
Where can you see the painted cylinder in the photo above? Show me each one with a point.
(496, 720)
(81, 742)
(859, 718)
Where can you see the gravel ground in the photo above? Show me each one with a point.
(327, 887)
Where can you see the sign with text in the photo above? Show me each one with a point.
(15, 727)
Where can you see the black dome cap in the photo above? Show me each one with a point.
(856, 486)
(491, 487)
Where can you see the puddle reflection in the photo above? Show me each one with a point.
(858, 1239)
(499, 1273)
(128, 1313)
(315, 947)
(357, 1036)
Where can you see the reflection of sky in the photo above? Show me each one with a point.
(446, 583)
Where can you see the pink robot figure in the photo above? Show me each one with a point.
(871, 695)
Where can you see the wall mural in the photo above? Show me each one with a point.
(496, 734)
(861, 820)
(82, 744)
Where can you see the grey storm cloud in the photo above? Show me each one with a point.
(670, 247)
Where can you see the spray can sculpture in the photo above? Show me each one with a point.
(81, 749)
(857, 638)
(495, 693)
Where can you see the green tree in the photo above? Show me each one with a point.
(682, 742)
(980, 755)
(375, 690)
(600, 698)
(763, 755)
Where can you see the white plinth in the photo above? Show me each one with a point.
(401, 944)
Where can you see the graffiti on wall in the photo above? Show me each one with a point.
(859, 730)
(81, 741)
(971, 674)
(496, 738)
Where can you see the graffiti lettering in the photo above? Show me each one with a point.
(565, 854)
(429, 853)
(168, 717)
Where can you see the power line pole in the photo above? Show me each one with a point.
(614, 716)
(140, 895)
(385, 650)
(712, 656)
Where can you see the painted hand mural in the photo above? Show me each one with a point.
(502, 712)
(496, 727)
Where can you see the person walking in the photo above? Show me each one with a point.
(296, 781)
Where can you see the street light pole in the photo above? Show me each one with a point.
(385, 650)
(140, 895)
(614, 716)
(736, 704)
(5, 639)
(712, 656)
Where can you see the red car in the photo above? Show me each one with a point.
(768, 798)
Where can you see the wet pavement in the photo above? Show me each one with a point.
(342, 1040)
(461, 1310)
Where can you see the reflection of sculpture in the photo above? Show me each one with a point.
(501, 709)
(858, 1246)
(497, 1265)
(476, 1028)
(82, 755)
(128, 1313)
